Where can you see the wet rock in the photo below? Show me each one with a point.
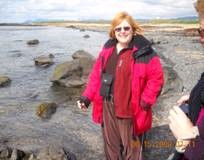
(81, 54)
(45, 110)
(44, 61)
(86, 36)
(33, 42)
(4, 81)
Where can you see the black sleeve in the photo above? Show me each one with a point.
(201, 128)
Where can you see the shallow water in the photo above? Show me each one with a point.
(19, 125)
(31, 84)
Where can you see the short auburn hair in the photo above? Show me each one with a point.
(119, 17)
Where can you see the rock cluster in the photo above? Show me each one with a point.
(48, 153)
(73, 74)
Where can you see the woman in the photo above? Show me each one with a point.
(123, 85)
(189, 131)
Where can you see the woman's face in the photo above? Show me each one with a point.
(123, 32)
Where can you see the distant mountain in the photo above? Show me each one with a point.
(187, 18)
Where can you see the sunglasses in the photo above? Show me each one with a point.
(119, 29)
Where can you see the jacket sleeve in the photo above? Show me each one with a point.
(94, 79)
(154, 81)
(201, 128)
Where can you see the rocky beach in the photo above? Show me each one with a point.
(67, 132)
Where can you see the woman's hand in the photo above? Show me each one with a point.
(83, 103)
(183, 99)
(81, 106)
(180, 125)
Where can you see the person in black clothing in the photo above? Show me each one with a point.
(189, 130)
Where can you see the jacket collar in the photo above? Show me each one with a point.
(138, 42)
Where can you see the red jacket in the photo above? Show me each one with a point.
(147, 81)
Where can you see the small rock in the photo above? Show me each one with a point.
(33, 42)
(45, 110)
(86, 36)
(44, 61)
(4, 81)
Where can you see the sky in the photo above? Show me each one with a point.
(17, 11)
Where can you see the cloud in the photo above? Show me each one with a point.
(22, 10)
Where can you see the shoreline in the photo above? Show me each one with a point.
(97, 26)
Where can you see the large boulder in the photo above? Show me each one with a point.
(81, 54)
(4, 81)
(73, 73)
(66, 69)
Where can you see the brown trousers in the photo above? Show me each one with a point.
(118, 136)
